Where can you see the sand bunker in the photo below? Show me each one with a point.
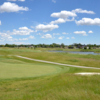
(87, 73)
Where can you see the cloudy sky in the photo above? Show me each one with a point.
(49, 21)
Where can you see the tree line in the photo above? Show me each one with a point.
(53, 45)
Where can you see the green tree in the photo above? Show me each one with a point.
(62, 45)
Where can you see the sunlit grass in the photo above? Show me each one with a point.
(13, 68)
(59, 87)
(74, 59)
(22, 79)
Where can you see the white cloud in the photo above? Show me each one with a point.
(81, 33)
(47, 36)
(61, 20)
(82, 11)
(88, 21)
(54, 1)
(8, 37)
(39, 34)
(35, 31)
(70, 19)
(32, 26)
(56, 34)
(15, 39)
(12, 7)
(23, 28)
(73, 37)
(0, 22)
(46, 28)
(67, 38)
(5, 36)
(21, 0)
(90, 31)
(61, 37)
(11, 0)
(23, 39)
(58, 21)
(65, 33)
(31, 37)
(18, 43)
(16, 0)
(63, 14)
(21, 31)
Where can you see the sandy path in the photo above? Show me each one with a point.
(56, 63)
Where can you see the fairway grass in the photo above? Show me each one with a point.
(11, 68)
(22, 79)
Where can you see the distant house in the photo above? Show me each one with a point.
(79, 46)
(83, 46)
(71, 47)
(31, 46)
(87, 47)
(94, 47)
(66, 47)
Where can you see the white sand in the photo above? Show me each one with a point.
(87, 73)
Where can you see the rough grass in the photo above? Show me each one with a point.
(74, 59)
(60, 87)
(82, 50)
(63, 85)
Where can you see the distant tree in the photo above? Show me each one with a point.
(94, 45)
(89, 47)
(62, 45)
(7, 45)
(2, 45)
(51, 45)
(85, 48)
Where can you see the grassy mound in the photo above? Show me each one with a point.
(13, 68)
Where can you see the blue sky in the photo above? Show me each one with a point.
(49, 21)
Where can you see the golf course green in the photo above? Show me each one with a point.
(24, 79)
(12, 68)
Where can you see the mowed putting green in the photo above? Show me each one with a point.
(12, 68)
